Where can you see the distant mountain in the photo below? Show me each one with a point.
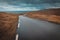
(52, 15)
(17, 12)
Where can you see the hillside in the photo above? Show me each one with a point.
(52, 15)
(8, 25)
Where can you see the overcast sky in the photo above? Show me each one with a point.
(28, 5)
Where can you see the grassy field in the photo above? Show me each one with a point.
(8, 25)
(52, 15)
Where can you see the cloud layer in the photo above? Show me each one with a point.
(28, 5)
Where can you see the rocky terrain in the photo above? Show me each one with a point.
(8, 25)
(52, 15)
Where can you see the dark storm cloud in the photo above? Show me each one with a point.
(36, 1)
(40, 1)
(20, 5)
(33, 1)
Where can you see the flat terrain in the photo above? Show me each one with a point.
(52, 15)
(8, 25)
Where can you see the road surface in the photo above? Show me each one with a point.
(33, 29)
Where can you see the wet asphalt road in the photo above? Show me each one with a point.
(33, 29)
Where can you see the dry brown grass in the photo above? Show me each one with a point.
(8, 25)
(52, 15)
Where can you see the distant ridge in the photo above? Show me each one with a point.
(52, 15)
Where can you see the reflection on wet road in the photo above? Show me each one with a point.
(30, 29)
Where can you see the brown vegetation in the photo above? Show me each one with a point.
(8, 22)
(52, 15)
(8, 25)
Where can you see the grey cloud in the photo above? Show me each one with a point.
(34, 1)
(39, 4)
